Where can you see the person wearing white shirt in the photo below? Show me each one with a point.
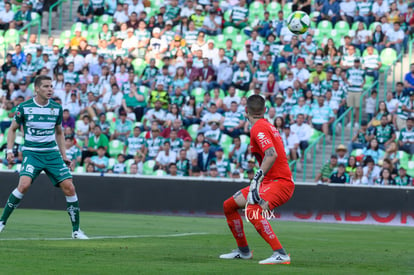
(112, 101)
(77, 59)
(212, 24)
(131, 43)
(6, 16)
(371, 171)
(120, 15)
(165, 157)
(380, 8)
(301, 73)
(217, 59)
(188, 9)
(286, 35)
(392, 103)
(287, 82)
(224, 75)
(154, 115)
(73, 105)
(396, 38)
(302, 130)
(136, 7)
(211, 52)
(291, 142)
(348, 10)
(230, 98)
(92, 58)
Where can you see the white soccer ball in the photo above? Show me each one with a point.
(298, 22)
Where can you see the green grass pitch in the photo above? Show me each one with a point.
(315, 248)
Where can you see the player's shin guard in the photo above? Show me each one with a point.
(235, 223)
(73, 211)
(255, 215)
(12, 203)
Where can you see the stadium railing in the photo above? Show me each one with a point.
(361, 99)
(292, 166)
(60, 12)
(341, 120)
(34, 23)
(312, 146)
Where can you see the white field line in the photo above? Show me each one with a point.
(109, 237)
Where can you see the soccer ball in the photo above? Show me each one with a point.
(298, 22)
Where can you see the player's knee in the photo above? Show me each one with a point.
(24, 184)
(68, 188)
(229, 206)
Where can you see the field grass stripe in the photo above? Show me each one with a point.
(110, 237)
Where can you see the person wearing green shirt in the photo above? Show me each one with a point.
(134, 101)
(406, 139)
(94, 142)
(327, 170)
(403, 179)
(239, 16)
(232, 123)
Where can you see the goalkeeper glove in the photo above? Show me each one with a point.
(254, 197)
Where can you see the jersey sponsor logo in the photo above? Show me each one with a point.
(30, 117)
(29, 168)
(263, 139)
(41, 132)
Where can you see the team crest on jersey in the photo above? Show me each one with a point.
(30, 110)
(18, 114)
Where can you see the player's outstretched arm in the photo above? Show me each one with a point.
(268, 160)
(60, 140)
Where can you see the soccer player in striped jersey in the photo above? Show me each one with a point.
(43, 150)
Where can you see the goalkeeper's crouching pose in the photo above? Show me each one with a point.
(271, 187)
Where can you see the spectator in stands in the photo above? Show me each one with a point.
(321, 116)
(372, 63)
(291, 142)
(373, 151)
(176, 126)
(301, 73)
(22, 17)
(232, 123)
(96, 141)
(122, 127)
(379, 9)
(85, 12)
(326, 170)
(399, 93)
(341, 154)
(154, 143)
(6, 16)
(395, 38)
(222, 164)
(378, 38)
(404, 111)
(330, 11)
(406, 138)
(403, 179)
(384, 133)
(100, 161)
(371, 171)
(392, 103)
(239, 16)
(205, 157)
(236, 150)
(19, 56)
(385, 178)
(212, 23)
(408, 79)
(355, 81)
(165, 157)
(134, 144)
(206, 76)
(361, 138)
(351, 166)
(340, 176)
(72, 152)
(359, 178)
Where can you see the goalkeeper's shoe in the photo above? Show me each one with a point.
(276, 258)
(237, 254)
(2, 225)
(79, 235)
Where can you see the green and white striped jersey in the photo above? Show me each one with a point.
(405, 101)
(232, 120)
(371, 61)
(39, 124)
(406, 135)
(239, 13)
(355, 78)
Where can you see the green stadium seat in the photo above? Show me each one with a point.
(315, 134)
(3, 140)
(273, 8)
(355, 26)
(342, 27)
(115, 147)
(256, 11)
(65, 35)
(230, 31)
(373, 26)
(356, 152)
(157, 4)
(159, 173)
(150, 11)
(325, 27)
(11, 36)
(240, 93)
(111, 163)
(3, 167)
(148, 167)
(404, 158)
(239, 41)
(287, 10)
(410, 168)
(226, 15)
(226, 141)
(128, 165)
(35, 16)
(198, 93)
(192, 130)
(80, 26)
(80, 169)
(139, 65)
(388, 56)
(369, 80)
(105, 19)
(365, 53)
(219, 41)
(221, 94)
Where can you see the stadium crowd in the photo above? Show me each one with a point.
(160, 87)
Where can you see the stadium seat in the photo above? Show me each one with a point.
(19, 139)
(105, 19)
(226, 141)
(404, 158)
(193, 130)
(239, 42)
(365, 53)
(373, 26)
(115, 147)
(287, 10)
(240, 93)
(3, 140)
(230, 31)
(221, 94)
(355, 26)
(80, 169)
(159, 172)
(11, 36)
(356, 152)
(273, 8)
(410, 168)
(342, 28)
(150, 11)
(148, 168)
(226, 15)
(65, 35)
(369, 80)
(220, 41)
(80, 26)
(4, 115)
(110, 117)
(128, 165)
(315, 134)
(198, 93)
(139, 65)
(111, 163)
(325, 27)
(245, 139)
(388, 56)
(156, 3)
(77, 123)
